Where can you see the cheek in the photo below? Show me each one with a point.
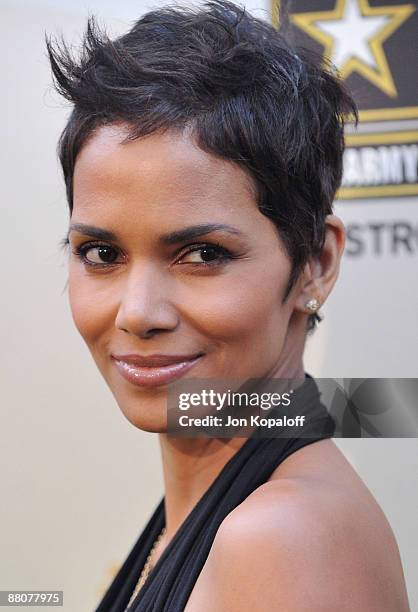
(239, 306)
(91, 311)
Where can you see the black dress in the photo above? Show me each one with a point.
(172, 579)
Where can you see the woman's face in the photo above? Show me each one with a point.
(176, 260)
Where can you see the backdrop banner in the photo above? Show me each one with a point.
(372, 316)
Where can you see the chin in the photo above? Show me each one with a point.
(146, 414)
(146, 422)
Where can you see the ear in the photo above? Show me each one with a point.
(321, 272)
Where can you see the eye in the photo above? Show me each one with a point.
(207, 254)
(96, 254)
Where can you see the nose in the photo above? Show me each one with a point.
(145, 308)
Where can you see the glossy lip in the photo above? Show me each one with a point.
(154, 370)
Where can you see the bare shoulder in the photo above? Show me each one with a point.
(307, 540)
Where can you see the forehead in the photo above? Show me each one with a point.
(160, 173)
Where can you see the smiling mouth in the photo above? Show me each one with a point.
(132, 369)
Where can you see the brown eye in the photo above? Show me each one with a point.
(96, 254)
(101, 254)
(206, 254)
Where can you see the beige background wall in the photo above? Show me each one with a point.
(78, 482)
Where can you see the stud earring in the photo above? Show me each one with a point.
(312, 305)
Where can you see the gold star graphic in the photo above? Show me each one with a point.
(352, 36)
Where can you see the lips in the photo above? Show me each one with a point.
(154, 370)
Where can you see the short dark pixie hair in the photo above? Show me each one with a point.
(238, 85)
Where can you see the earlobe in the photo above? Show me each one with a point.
(312, 305)
(321, 271)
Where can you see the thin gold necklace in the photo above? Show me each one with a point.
(146, 569)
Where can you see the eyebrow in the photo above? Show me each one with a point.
(194, 231)
(90, 230)
(175, 237)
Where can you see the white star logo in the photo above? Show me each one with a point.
(360, 28)
(353, 34)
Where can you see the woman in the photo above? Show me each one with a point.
(201, 160)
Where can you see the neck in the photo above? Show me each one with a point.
(190, 465)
